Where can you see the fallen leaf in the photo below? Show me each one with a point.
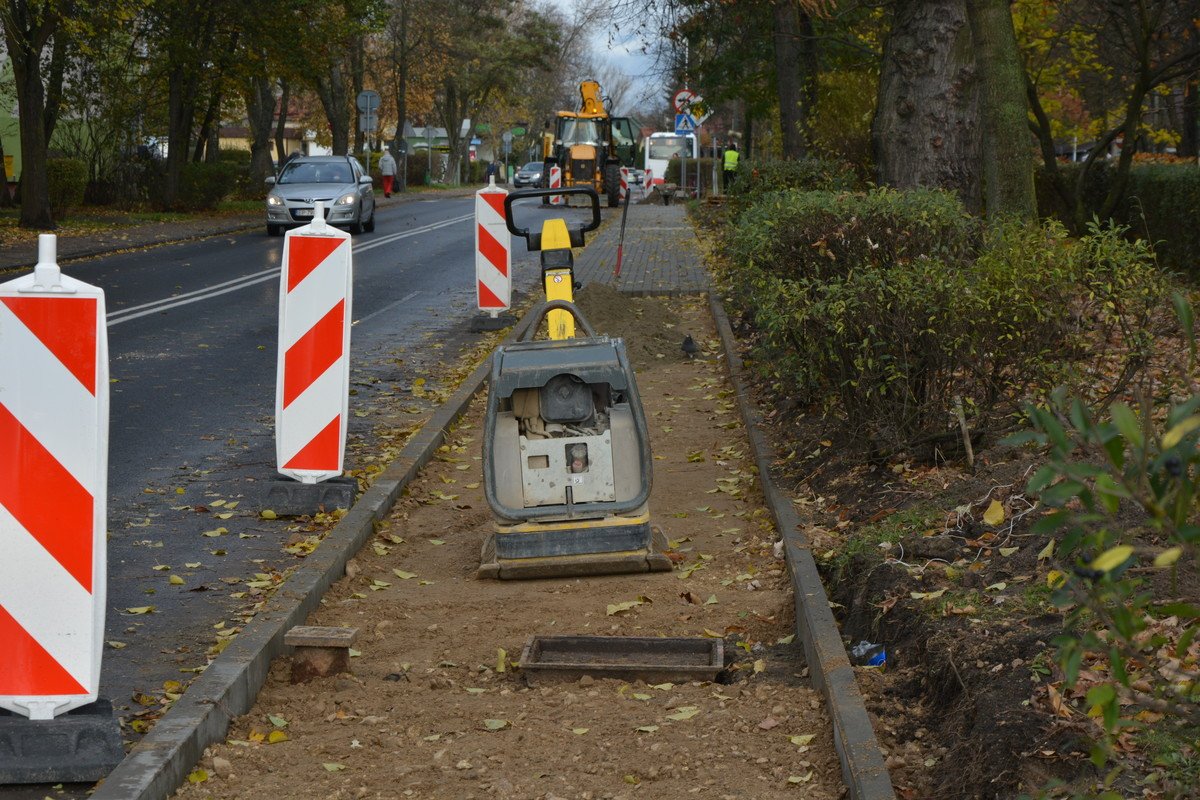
(402, 575)
(802, 740)
(927, 595)
(501, 659)
(275, 737)
(277, 721)
(647, 729)
(267, 513)
(333, 767)
(1008, 551)
(579, 731)
(996, 587)
(1046, 551)
(141, 610)
(994, 514)
(197, 775)
(760, 665)
(617, 608)
(436, 542)
(495, 724)
(805, 778)
(175, 580)
(684, 712)
(711, 601)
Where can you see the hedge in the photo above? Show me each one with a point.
(1161, 204)
(882, 308)
(67, 179)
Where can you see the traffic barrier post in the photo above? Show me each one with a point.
(556, 183)
(493, 251)
(313, 373)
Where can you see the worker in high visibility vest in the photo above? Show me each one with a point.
(731, 162)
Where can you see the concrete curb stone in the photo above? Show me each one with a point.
(159, 763)
(863, 768)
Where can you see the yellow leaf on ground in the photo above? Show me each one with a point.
(501, 659)
(404, 576)
(268, 514)
(141, 610)
(1046, 551)
(495, 724)
(994, 514)
(197, 775)
(802, 740)
(684, 712)
(1055, 579)
(579, 731)
(175, 580)
(275, 737)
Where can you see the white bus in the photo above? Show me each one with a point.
(662, 147)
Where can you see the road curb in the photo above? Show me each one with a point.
(161, 761)
(863, 768)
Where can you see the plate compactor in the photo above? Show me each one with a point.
(566, 451)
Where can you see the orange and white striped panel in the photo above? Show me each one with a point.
(493, 251)
(312, 384)
(53, 489)
(624, 183)
(555, 182)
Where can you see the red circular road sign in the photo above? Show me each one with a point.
(683, 99)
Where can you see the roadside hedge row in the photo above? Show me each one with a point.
(882, 308)
(1160, 205)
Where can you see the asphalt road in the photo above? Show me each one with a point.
(192, 342)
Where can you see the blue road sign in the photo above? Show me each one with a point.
(684, 123)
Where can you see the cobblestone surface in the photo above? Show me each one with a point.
(661, 255)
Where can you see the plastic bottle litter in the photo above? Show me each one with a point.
(866, 654)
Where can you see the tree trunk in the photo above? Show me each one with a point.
(926, 127)
(281, 123)
(260, 112)
(357, 79)
(1189, 142)
(1008, 157)
(789, 77)
(26, 38)
(400, 55)
(181, 112)
(54, 84)
(5, 198)
(331, 89)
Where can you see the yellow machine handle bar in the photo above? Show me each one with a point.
(533, 240)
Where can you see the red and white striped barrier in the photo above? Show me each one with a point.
(555, 183)
(312, 385)
(53, 489)
(493, 251)
(624, 183)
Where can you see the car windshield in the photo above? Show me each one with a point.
(672, 147)
(316, 172)
(533, 166)
(579, 131)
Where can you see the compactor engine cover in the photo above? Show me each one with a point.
(567, 462)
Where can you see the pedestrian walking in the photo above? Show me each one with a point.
(489, 172)
(731, 162)
(387, 168)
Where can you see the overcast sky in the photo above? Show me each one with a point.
(623, 53)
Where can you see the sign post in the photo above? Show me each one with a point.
(368, 122)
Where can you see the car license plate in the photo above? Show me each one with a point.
(304, 212)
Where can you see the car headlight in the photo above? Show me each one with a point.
(274, 200)
(347, 199)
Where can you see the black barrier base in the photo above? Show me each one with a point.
(81, 746)
(289, 498)
(486, 322)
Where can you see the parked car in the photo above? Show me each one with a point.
(338, 181)
(529, 175)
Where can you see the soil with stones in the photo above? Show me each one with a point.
(434, 706)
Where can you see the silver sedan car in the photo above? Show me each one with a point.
(338, 181)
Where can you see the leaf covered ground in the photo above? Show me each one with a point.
(434, 706)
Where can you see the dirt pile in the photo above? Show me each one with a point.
(649, 326)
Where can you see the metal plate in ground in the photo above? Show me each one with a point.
(654, 660)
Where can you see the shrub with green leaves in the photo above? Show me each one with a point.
(67, 179)
(202, 185)
(759, 177)
(1124, 487)
(884, 308)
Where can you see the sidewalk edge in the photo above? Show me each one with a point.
(160, 762)
(863, 767)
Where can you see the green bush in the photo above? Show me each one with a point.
(884, 307)
(675, 165)
(755, 178)
(67, 179)
(1159, 205)
(202, 185)
(801, 234)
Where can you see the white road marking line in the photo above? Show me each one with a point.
(388, 307)
(246, 281)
